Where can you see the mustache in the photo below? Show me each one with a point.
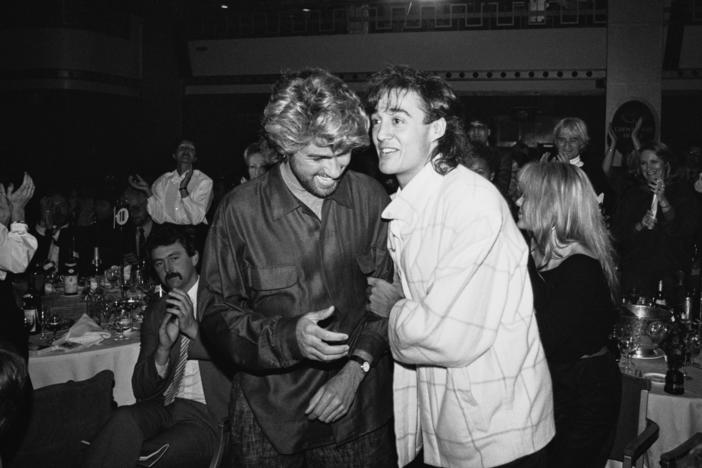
(173, 274)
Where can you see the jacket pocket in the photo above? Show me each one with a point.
(468, 398)
(273, 278)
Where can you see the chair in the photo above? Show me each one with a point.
(222, 444)
(63, 415)
(687, 454)
(635, 433)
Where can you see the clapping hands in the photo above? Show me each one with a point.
(13, 201)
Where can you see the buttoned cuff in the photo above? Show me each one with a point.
(286, 339)
(161, 370)
(18, 227)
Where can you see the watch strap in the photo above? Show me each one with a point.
(365, 365)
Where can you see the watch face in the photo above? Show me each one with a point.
(365, 367)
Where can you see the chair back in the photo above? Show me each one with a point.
(632, 414)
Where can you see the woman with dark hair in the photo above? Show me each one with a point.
(655, 223)
(574, 280)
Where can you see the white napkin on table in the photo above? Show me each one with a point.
(85, 332)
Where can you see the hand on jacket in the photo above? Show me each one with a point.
(314, 340)
(382, 295)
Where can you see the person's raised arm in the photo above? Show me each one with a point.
(196, 202)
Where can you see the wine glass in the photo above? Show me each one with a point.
(693, 345)
(29, 322)
(123, 322)
(627, 345)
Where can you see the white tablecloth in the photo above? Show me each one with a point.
(60, 366)
(678, 416)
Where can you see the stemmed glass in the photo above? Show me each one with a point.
(692, 350)
(624, 337)
(123, 322)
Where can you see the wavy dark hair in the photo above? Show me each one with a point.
(314, 106)
(438, 101)
(168, 234)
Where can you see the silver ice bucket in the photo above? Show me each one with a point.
(648, 325)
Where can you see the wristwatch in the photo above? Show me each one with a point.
(365, 365)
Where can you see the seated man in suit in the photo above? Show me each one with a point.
(139, 226)
(54, 232)
(180, 402)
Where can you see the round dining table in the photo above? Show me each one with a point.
(678, 416)
(57, 364)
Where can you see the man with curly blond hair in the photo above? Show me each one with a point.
(283, 290)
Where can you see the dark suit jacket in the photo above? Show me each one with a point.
(146, 382)
(130, 235)
(65, 244)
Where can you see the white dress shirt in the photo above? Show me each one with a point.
(191, 385)
(165, 205)
(17, 247)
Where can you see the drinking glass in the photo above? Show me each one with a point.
(44, 323)
(692, 349)
(626, 342)
(123, 322)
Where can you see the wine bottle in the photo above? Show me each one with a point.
(660, 298)
(30, 306)
(96, 268)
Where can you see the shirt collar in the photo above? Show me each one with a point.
(406, 201)
(282, 201)
(175, 177)
(577, 161)
(192, 294)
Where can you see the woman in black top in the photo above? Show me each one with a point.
(655, 239)
(573, 277)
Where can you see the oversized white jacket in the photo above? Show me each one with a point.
(471, 381)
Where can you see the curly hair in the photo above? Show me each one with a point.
(438, 101)
(560, 208)
(314, 106)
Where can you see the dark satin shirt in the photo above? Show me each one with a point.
(267, 261)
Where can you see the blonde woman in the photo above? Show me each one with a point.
(574, 282)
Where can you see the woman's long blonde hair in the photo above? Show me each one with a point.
(560, 208)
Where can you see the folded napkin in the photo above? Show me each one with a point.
(85, 332)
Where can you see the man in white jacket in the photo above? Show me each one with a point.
(472, 387)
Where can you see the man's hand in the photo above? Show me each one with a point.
(382, 296)
(5, 208)
(186, 180)
(167, 335)
(139, 183)
(180, 306)
(312, 339)
(19, 198)
(334, 398)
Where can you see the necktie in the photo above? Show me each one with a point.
(141, 242)
(170, 393)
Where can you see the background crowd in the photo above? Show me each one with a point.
(600, 225)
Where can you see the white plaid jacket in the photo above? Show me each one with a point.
(475, 390)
